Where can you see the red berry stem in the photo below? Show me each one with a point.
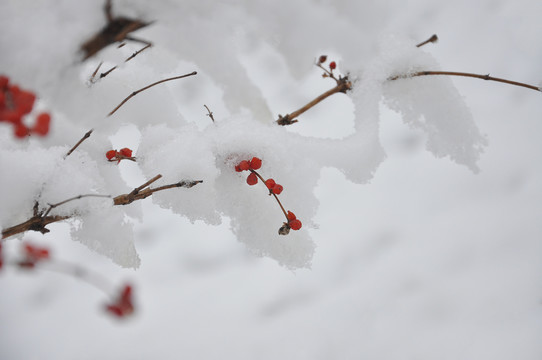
(270, 193)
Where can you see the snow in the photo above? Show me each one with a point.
(420, 198)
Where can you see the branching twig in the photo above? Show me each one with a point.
(86, 136)
(343, 86)
(147, 87)
(140, 192)
(271, 193)
(40, 220)
(478, 76)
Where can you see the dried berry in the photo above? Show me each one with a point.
(322, 59)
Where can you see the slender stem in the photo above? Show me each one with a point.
(270, 192)
(86, 136)
(432, 39)
(147, 87)
(52, 206)
(95, 72)
(210, 114)
(139, 188)
(478, 76)
(343, 86)
(102, 75)
(137, 52)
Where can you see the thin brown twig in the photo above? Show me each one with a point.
(432, 39)
(95, 72)
(52, 206)
(478, 76)
(210, 113)
(140, 192)
(86, 136)
(270, 192)
(342, 86)
(147, 87)
(137, 52)
(102, 75)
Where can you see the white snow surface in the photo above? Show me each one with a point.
(420, 197)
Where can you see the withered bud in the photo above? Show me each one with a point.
(322, 59)
(284, 229)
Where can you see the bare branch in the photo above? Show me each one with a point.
(147, 87)
(86, 136)
(140, 193)
(452, 73)
(432, 39)
(343, 86)
(210, 114)
(52, 206)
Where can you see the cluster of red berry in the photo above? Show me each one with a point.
(123, 305)
(32, 255)
(15, 103)
(332, 66)
(274, 189)
(124, 153)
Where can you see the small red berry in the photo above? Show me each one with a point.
(332, 65)
(322, 59)
(238, 168)
(125, 152)
(290, 216)
(4, 80)
(252, 179)
(42, 124)
(255, 163)
(110, 154)
(244, 165)
(295, 224)
(277, 189)
(269, 183)
(21, 131)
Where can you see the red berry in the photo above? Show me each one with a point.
(252, 179)
(277, 189)
(255, 163)
(4, 80)
(332, 65)
(110, 154)
(244, 165)
(21, 131)
(237, 168)
(269, 183)
(42, 124)
(322, 59)
(290, 216)
(295, 224)
(125, 152)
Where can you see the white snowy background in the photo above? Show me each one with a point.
(415, 248)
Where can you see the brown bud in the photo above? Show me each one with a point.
(284, 229)
(322, 59)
